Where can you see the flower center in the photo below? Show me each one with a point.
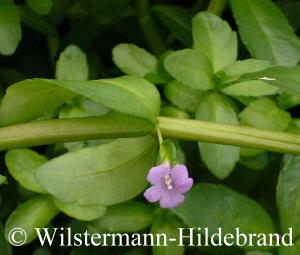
(168, 182)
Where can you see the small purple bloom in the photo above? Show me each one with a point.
(169, 185)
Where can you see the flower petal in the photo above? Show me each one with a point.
(185, 186)
(153, 194)
(171, 199)
(179, 174)
(156, 174)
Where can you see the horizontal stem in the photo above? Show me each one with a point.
(69, 130)
(195, 130)
(115, 126)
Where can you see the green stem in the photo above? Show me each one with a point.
(115, 126)
(217, 6)
(151, 33)
(68, 130)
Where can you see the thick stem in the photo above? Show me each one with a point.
(115, 126)
(217, 7)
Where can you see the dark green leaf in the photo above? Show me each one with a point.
(107, 174)
(214, 37)
(10, 28)
(266, 32)
(127, 217)
(215, 206)
(35, 213)
(183, 96)
(5, 248)
(22, 164)
(287, 78)
(178, 20)
(72, 65)
(290, 250)
(41, 7)
(288, 196)
(220, 159)
(191, 68)
(134, 60)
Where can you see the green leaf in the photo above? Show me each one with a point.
(288, 196)
(220, 159)
(80, 212)
(29, 99)
(42, 251)
(256, 162)
(72, 65)
(22, 164)
(287, 78)
(134, 60)
(178, 20)
(126, 217)
(35, 213)
(288, 100)
(214, 37)
(128, 94)
(264, 113)
(290, 250)
(10, 28)
(171, 111)
(216, 206)
(106, 174)
(5, 248)
(41, 7)
(258, 253)
(182, 96)
(251, 89)
(235, 70)
(191, 68)
(266, 32)
(3, 180)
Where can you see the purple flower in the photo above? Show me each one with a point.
(169, 185)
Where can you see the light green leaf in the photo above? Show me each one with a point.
(251, 89)
(35, 213)
(288, 196)
(29, 99)
(22, 164)
(220, 159)
(41, 7)
(216, 206)
(168, 224)
(3, 180)
(10, 27)
(171, 111)
(178, 20)
(191, 68)
(106, 174)
(264, 113)
(80, 212)
(182, 96)
(128, 94)
(5, 248)
(214, 37)
(287, 78)
(266, 32)
(134, 60)
(72, 65)
(288, 100)
(126, 217)
(240, 67)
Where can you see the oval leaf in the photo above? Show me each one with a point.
(127, 217)
(22, 165)
(106, 174)
(10, 27)
(35, 213)
(220, 159)
(266, 32)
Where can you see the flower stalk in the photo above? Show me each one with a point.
(77, 129)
